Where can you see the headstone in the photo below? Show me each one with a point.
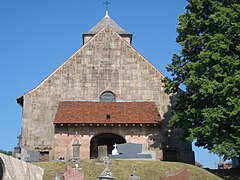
(73, 173)
(106, 174)
(115, 151)
(57, 177)
(77, 167)
(134, 175)
(30, 156)
(102, 152)
(130, 148)
(33, 156)
(17, 149)
(76, 150)
(182, 175)
(25, 156)
(130, 151)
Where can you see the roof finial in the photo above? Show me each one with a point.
(107, 3)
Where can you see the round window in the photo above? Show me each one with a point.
(108, 97)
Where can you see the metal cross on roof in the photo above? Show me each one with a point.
(107, 3)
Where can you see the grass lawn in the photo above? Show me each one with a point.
(121, 169)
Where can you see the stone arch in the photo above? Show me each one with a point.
(108, 139)
(107, 96)
(2, 168)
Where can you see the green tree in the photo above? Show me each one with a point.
(208, 67)
(9, 153)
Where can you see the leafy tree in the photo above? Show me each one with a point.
(208, 66)
(9, 153)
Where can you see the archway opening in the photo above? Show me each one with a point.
(107, 139)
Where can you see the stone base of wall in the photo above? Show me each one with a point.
(179, 156)
(14, 169)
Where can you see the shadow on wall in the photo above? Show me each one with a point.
(161, 141)
(175, 147)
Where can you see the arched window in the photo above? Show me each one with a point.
(107, 97)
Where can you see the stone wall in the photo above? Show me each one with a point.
(14, 169)
(104, 63)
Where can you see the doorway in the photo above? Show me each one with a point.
(108, 139)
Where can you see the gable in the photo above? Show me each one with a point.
(104, 58)
(106, 63)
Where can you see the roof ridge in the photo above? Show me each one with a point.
(107, 21)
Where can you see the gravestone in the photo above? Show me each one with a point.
(76, 150)
(17, 152)
(30, 156)
(129, 148)
(106, 174)
(33, 156)
(102, 152)
(134, 175)
(115, 151)
(57, 177)
(130, 151)
(17, 149)
(73, 173)
(182, 175)
(25, 156)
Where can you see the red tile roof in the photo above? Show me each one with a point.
(107, 112)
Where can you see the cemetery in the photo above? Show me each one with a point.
(126, 161)
(103, 114)
(125, 169)
(104, 93)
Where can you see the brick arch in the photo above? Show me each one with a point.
(108, 139)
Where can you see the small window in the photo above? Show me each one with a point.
(108, 116)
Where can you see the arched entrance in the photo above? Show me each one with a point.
(108, 139)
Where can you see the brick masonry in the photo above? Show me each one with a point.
(150, 138)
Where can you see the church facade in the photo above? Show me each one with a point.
(105, 93)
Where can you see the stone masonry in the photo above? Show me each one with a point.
(106, 62)
(14, 169)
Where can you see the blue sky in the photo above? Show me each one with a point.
(36, 36)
